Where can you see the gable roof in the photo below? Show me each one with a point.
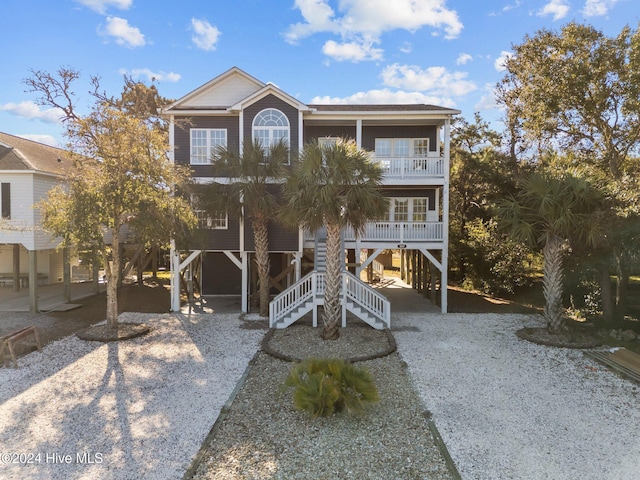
(269, 88)
(235, 89)
(219, 93)
(18, 153)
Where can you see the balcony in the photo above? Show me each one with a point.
(395, 233)
(411, 169)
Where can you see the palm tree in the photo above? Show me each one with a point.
(252, 193)
(550, 212)
(333, 186)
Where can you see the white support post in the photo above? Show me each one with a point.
(359, 133)
(174, 264)
(33, 281)
(445, 218)
(344, 299)
(245, 282)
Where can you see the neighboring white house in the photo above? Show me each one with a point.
(28, 255)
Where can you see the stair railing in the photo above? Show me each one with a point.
(368, 299)
(292, 298)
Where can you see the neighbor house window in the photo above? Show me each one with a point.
(204, 142)
(5, 200)
(270, 126)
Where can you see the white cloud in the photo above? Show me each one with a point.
(436, 80)
(557, 8)
(151, 76)
(206, 35)
(46, 139)
(364, 21)
(406, 47)
(463, 59)
(32, 111)
(500, 63)
(594, 8)
(101, 6)
(351, 51)
(124, 34)
(385, 96)
(487, 101)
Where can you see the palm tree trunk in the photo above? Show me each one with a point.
(260, 232)
(332, 283)
(552, 284)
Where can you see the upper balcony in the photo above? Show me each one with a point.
(390, 234)
(413, 170)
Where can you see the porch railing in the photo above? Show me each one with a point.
(410, 167)
(394, 232)
(398, 232)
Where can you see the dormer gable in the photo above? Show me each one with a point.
(220, 93)
(268, 89)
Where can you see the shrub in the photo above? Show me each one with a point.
(327, 386)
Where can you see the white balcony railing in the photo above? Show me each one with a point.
(394, 232)
(398, 232)
(410, 167)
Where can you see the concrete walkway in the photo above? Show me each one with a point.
(49, 296)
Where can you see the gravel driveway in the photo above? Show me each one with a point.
(507, 408)
(141, 409)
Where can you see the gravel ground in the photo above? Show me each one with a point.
(505, 408)
(263, 436)
(138, 409)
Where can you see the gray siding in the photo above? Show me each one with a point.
(313, 132)
(220, 276)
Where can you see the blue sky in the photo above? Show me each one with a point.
(443, 52)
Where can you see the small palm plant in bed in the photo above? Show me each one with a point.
(323, 387)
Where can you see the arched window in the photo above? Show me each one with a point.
(270, 126)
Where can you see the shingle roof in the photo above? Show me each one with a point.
(18, 153)
(412, 107)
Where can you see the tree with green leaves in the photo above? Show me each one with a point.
(551, 212)
(480, 175)
(252, 193)
(577, 91)
(333, 186)
(123, 182)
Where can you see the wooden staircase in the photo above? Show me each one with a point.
(307, 295)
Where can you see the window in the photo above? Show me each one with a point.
(408, 209)
(419, 210)
(327, 141)
(402, 147)
(400, 210)
(270, 126)
(204, 142)
(215, 222)
(5, 200)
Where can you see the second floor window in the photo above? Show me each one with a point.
(270, 126)
(402, 147)
(204, 142)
